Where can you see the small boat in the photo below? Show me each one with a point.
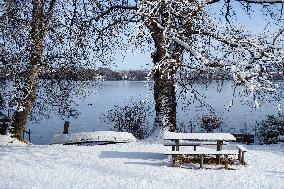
(94, 138)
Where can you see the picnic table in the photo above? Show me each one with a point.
(198, 139)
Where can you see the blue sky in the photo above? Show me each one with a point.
(256, 21)
(134, 61)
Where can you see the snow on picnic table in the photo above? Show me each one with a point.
(130, 165)
(199, 136)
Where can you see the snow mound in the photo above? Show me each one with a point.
(8, 140)
(98, 136)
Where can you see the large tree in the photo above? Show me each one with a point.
(41, 37)
(188, 38)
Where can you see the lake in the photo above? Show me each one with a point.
(241, 117)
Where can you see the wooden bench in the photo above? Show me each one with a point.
(241, 154)
(201, 153)
(244, 138)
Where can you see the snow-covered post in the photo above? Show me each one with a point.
(66, 127)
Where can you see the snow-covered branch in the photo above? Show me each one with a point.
(188, 25)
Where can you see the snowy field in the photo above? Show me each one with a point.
(132, 165)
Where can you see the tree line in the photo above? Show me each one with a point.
(86, 74)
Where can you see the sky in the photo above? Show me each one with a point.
(133, 61)
(255, 21)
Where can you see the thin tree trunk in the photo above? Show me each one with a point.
(37, 34)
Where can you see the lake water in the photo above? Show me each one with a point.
(239, 118)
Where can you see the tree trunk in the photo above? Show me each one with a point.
(37, 34)
(165, 99)
(164, 88)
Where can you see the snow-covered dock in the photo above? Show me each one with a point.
(98, 137)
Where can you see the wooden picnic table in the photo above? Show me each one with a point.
(218, 137)
(199, 139)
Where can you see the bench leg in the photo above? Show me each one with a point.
(194, 148)
(218, 159)
(240, 155)
(174, 158)
(201, 161)
(226, 161)
(243, 158)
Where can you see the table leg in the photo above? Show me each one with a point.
(174, 158)
(219, 145)
(201, 161)
(226, 161)
(177, 145)
(219, 148)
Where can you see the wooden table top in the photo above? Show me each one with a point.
(199, 136)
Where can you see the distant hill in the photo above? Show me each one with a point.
(94, 74)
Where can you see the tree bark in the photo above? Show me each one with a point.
(164, 88)
(165, 99)
(20, 118)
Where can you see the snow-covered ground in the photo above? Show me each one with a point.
(131, 165)
(6, 140)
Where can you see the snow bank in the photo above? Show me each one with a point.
(98, 136)
(7, 140)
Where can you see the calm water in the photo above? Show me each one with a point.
(239, 118)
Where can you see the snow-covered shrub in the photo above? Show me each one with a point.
(131, 117)
(210, 122)
(271, 129)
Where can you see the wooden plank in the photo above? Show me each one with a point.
(198, 152)
(182, 144)
(244, 138)
(242, 148)
(201, 161)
